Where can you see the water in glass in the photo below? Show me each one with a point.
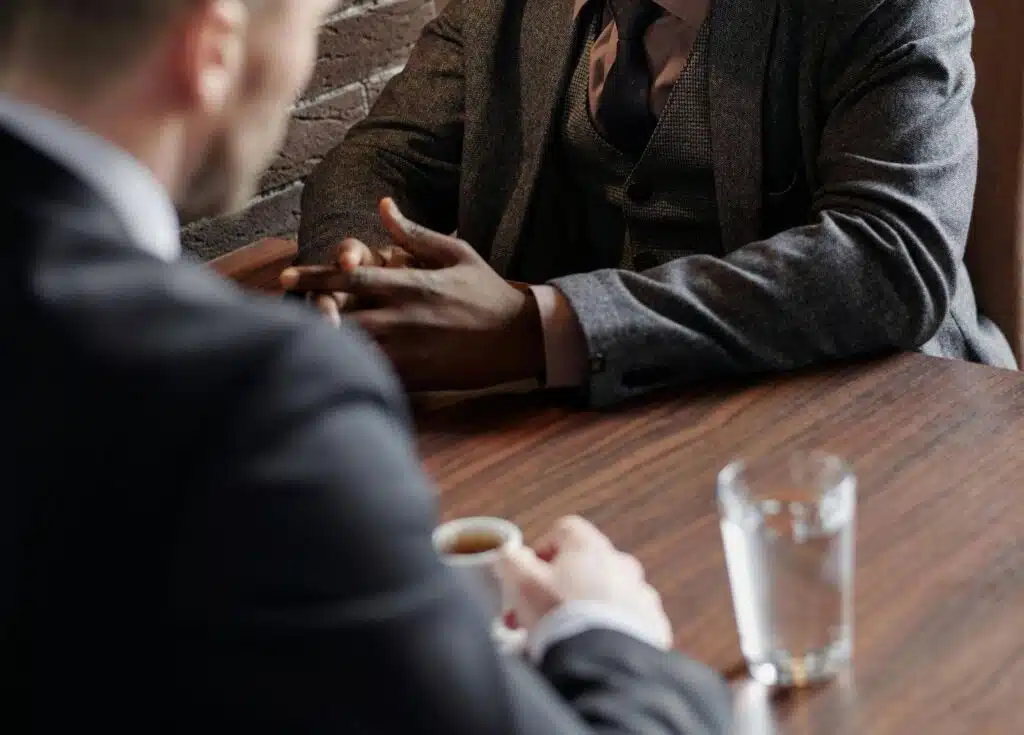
(789, 544)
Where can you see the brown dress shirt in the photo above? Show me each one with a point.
(669, 41)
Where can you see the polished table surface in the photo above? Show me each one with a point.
(938, 448)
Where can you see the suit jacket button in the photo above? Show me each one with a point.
(597, 364)
(639, 191)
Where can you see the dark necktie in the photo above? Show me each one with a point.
(623, 110)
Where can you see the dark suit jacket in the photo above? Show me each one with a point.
(212, 518)
(844, 151)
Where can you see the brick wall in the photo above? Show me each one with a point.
(363, 45)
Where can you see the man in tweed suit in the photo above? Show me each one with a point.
(695, 189)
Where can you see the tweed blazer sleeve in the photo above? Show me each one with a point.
(409, 148)
(873, 270)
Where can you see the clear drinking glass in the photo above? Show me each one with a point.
(788, 529)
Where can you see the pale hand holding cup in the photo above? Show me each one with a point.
(578, 563)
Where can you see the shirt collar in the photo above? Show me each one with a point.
(679, 8)
(138, 199)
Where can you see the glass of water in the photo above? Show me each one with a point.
(788, 529)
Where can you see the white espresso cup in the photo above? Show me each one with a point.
(472, 547)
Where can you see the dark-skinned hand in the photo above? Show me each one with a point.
(320, 282)
(449, 323)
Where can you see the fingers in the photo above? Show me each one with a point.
(349, 254)
(365, 280)
(346, 301)
(394, 284)
(531, 582)
(328, 306)
(632, 567)
(393, 256)
(385, 283)
(550, 544)
(571, 532)
(432, 249)
(578, 534)
(314, 278)
(521, 566)
(574, 530)
(379, 322)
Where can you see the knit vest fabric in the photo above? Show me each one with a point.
(640, 212)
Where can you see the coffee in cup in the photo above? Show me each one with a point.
(473, 547)
(471, 542)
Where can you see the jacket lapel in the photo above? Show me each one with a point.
(548, 38)
(739, 44)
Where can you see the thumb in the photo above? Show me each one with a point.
(430, 248)
(530, 583)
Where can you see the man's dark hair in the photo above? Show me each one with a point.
(79, 42)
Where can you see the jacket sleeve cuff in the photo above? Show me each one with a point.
(575, 618)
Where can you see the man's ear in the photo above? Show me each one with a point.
(211, 57)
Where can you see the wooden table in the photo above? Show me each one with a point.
(938, 447)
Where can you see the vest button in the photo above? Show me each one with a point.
(639, 191)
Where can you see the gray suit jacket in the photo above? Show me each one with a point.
(844, 149)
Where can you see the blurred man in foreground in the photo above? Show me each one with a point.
(193, 536)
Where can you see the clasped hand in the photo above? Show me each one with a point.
(443, 316)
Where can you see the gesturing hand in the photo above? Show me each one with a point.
(324, 284)
(451, 324)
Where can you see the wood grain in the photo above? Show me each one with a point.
(257, 266)
(937, 447)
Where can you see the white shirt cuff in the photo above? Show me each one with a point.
(565, 347)
(574, 618)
